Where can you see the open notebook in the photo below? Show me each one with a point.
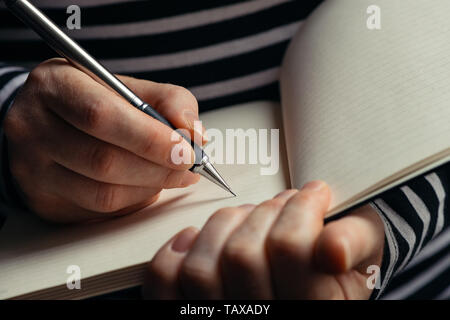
(363, 110)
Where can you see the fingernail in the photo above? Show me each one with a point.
(189, 118)
(286, 194)
(184, 240)
(314, 185)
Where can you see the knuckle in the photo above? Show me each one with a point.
(106, 198)
(102, 160)
(91, 117)
(54, 62)
(67, 75)
(175, 92)
(241, 254)
(194, 273)
(275, 203)
(42, 73)
(178, 93)
(304, 198)
(280, 244)
(38, 74)
(225, 213)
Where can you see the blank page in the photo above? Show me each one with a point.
(361, 105)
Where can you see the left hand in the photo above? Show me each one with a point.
(278, 249)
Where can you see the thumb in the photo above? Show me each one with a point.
(175, 103)
(352, 242)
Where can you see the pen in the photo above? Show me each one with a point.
(82, 60)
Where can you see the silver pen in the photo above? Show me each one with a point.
(69, 49)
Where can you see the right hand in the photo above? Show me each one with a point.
(79, 152)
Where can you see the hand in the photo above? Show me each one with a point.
(278, 249)
(78, 151)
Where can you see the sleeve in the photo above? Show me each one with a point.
(413, 215)
(11, 79)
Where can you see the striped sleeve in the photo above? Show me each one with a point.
(415, 218)
(11, 79)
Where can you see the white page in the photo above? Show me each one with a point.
(34, 255)
(360, 105)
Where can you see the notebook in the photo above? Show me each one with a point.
(362, 109)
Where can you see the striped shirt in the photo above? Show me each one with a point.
(229, 52)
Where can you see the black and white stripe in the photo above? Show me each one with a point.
(229, 52)
(417, 229)
(224, 53)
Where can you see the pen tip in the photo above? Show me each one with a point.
(209, 172)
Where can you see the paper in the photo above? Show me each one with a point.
(361, 105)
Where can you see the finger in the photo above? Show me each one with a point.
(245, 266)
(291, 240)
(95, 110)
(352, 242)
(175, 103)
(93, 195)
(107, 163)
(200, 272)
(161, 281)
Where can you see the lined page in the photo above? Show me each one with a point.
(35, 255)
(360, 105)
